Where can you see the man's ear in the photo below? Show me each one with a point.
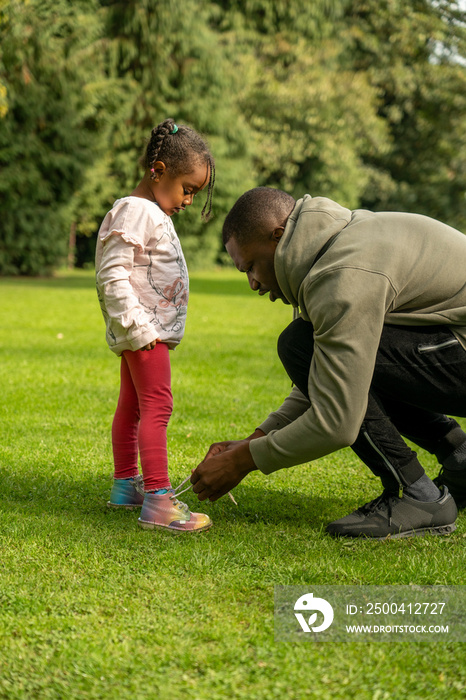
(159, 169)
(278, 233)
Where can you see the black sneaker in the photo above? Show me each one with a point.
(455, 481)
(395, 517)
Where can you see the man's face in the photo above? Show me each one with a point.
(256, 260)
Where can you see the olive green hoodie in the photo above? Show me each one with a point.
(382, 268)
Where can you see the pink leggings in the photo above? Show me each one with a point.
(144, 408)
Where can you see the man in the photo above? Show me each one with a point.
(378, 351)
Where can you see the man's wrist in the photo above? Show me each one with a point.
(256, 434)
(248, 464)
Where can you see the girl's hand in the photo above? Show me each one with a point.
(150, 345)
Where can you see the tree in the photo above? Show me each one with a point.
(313, 117)
(413, 53)
(360, 100)
(171, 62)
(45, 140)
(3, 100)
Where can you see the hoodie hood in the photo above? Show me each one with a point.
(313, 221)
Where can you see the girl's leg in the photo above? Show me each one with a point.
(125, 427)
(151, 378)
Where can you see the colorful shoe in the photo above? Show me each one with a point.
(166, 512)
(390, 516)
(127, 493)
(455, 481)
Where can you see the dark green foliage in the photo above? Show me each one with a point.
(45, 141)
(362, 101)
(173, 64)
(411, 53)
(313, 117)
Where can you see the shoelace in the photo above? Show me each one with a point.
(176, 502)
(384, 499)
(177, 493)
(139, 486)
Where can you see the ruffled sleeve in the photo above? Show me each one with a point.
(123, 234)
(134, 219)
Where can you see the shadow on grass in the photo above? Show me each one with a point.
(60, 496)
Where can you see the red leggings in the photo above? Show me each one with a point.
(140, 424)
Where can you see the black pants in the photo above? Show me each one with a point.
(419, 376)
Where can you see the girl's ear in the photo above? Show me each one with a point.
(158, 170)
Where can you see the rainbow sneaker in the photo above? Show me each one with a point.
(127, 493)
(165, 512)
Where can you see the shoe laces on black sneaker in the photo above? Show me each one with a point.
(379, 503)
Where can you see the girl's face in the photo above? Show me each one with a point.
(173, 194)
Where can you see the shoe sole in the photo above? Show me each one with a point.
(439, 530)
(132, 506)
(172, 530)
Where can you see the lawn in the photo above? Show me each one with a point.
(94, 607)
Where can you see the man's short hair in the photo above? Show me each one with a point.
(254, 212)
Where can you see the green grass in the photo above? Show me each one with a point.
(93, 607)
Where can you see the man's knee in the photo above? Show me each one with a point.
(296, 340)
(284, 344)
(295, 348)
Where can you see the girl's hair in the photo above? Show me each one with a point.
(180, 148)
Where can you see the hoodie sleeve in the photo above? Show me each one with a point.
(347, 307)
(293, 406)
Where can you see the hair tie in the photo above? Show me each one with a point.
(174, 130)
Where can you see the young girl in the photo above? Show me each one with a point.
(142, 285)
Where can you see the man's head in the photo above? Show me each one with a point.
(251, 233)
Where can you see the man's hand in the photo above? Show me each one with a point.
(224, 466)
(219, 447)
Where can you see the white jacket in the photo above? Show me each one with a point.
(142, 278)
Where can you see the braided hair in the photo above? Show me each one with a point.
(179, 147)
